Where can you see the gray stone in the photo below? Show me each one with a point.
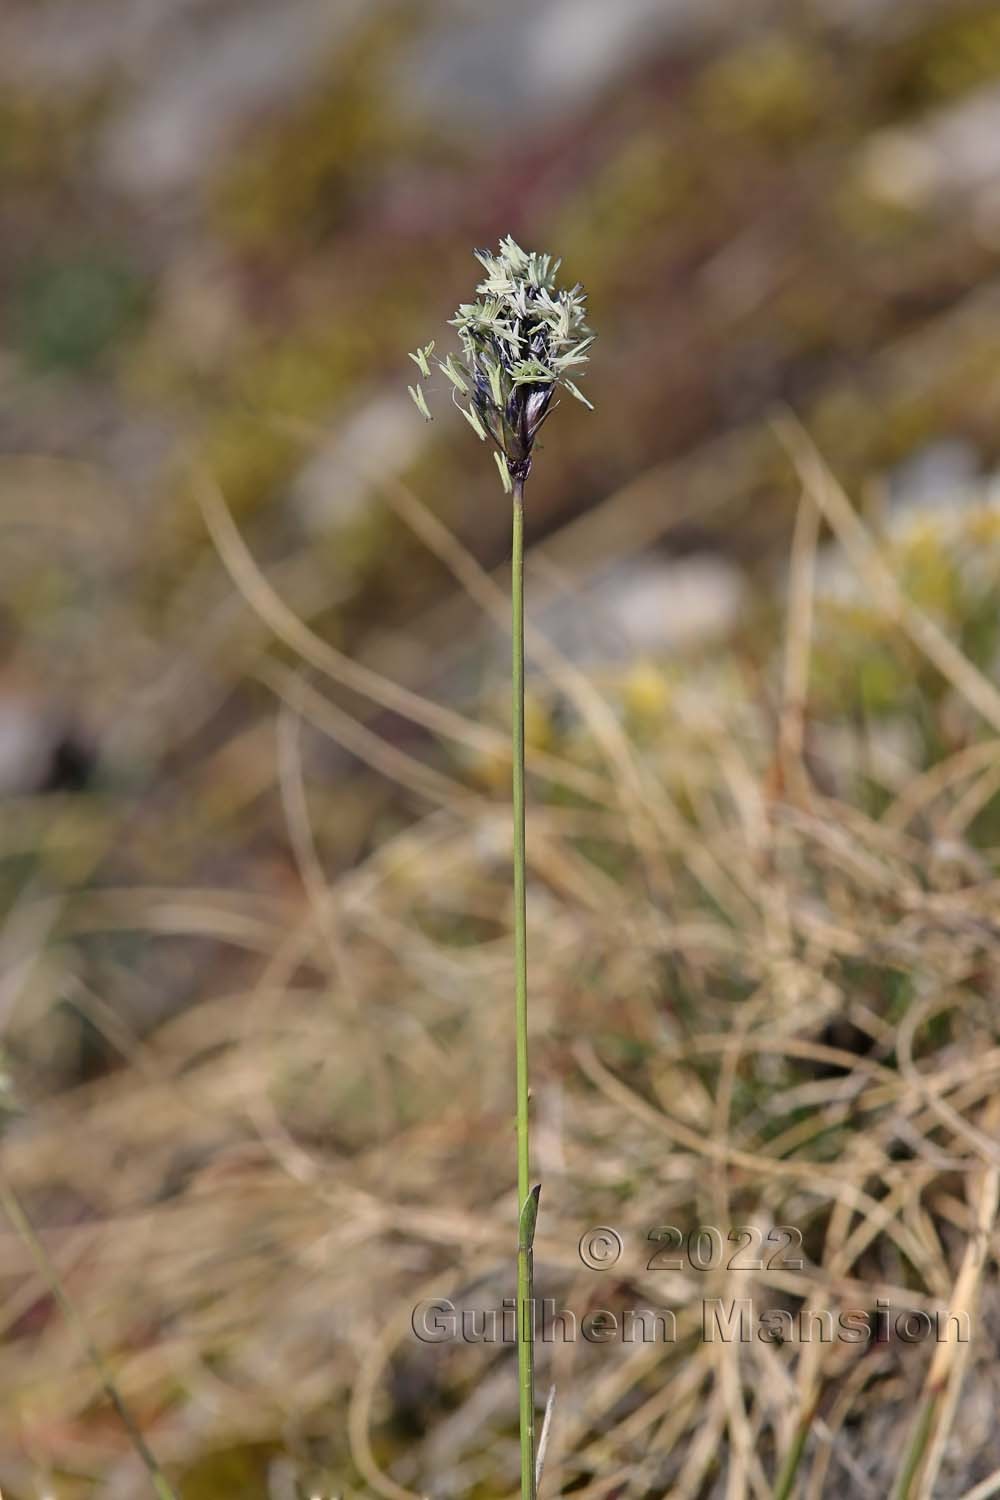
(210, 80)
(936, 477)
(376, 441)
(26, 741)
(522, 64)
(647, 605)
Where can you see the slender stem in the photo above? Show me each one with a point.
(520, 922)
(785, 1482)
(917, 1447)
(525, 1320)
(24, 1227)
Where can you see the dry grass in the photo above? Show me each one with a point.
(764, 992)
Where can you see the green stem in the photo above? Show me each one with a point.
(526, 1200)
(785, 1482)
(917, 1447)
(24, 1227)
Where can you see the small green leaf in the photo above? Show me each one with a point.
(528, 1219)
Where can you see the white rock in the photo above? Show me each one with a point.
(521, 64)
(937, 477)
(967, 138)
(378, 440)
(26, 740)
(648, 605)
(209, 82)
(953, 153)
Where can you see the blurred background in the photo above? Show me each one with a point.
(254, 847)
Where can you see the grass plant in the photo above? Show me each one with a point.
(519, 341)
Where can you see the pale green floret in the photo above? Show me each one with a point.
(420, 402)
(485, 314)
(493, 375)
(512, 253)
(542, 270)
(575, 390)
(510, 334)
(532, 372)
(421, 357)
(470, 416)
(513, 266)
(498, 284)
(575, 356)
(557, 314)
(482, 319)
(505, 479)
(455, 373)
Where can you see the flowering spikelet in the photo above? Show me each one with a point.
(520, 340)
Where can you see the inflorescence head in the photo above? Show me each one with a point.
(520, 339)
